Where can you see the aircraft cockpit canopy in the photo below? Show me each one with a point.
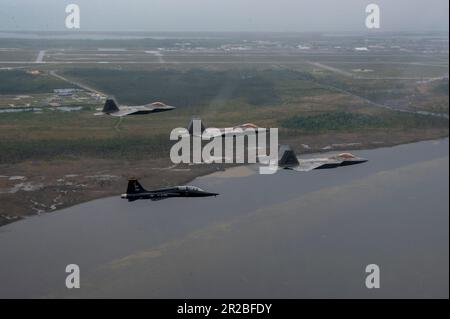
(346, 155)
(158, 104)
(248, 125)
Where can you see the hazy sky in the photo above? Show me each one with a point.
(225, 15)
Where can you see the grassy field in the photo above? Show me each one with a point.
(399, 69)
(295, 101)
(346, 121)
(19, 82)
(190, 88)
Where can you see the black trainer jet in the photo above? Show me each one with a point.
(135, 191)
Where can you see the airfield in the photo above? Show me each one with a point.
(323, 91)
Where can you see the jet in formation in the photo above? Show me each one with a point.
(217, 132)
(111, 108)
(288, 160)
(135, 191)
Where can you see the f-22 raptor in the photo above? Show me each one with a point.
(288, 160)
(111, 108)
(217, 132)
(135, 191)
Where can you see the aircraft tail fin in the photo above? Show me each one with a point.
(191, 125)
(110, 106)
(287, 157)
(134, 187)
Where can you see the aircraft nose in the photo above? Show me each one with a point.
(211, 194)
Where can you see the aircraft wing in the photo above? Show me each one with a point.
(156, 107)
(161, 196)
(124, 112)
(311, 164)
(148, 108)
(158, 198)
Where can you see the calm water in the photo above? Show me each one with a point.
(293, 235)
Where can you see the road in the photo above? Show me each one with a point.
(40, 57)
(77, 83)
(376, 104)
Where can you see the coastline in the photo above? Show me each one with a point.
(152, 173)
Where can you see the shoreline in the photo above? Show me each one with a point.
(182, 174)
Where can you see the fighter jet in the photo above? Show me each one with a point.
(135, 191)
(288, 160)
(226, 131)
(111, 108)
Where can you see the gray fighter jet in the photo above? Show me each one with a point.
(288, 160)
(111, 108)
(135, 191)
(226, 131)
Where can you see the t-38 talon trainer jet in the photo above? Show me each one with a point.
(135, 191)
(111, 108)
(226, 131)
(288, 160)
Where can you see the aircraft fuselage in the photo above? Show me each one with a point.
(181, 191)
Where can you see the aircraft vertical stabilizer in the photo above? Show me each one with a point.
(287, 157)
(134, 187)
(191, 125)
(110, 106)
